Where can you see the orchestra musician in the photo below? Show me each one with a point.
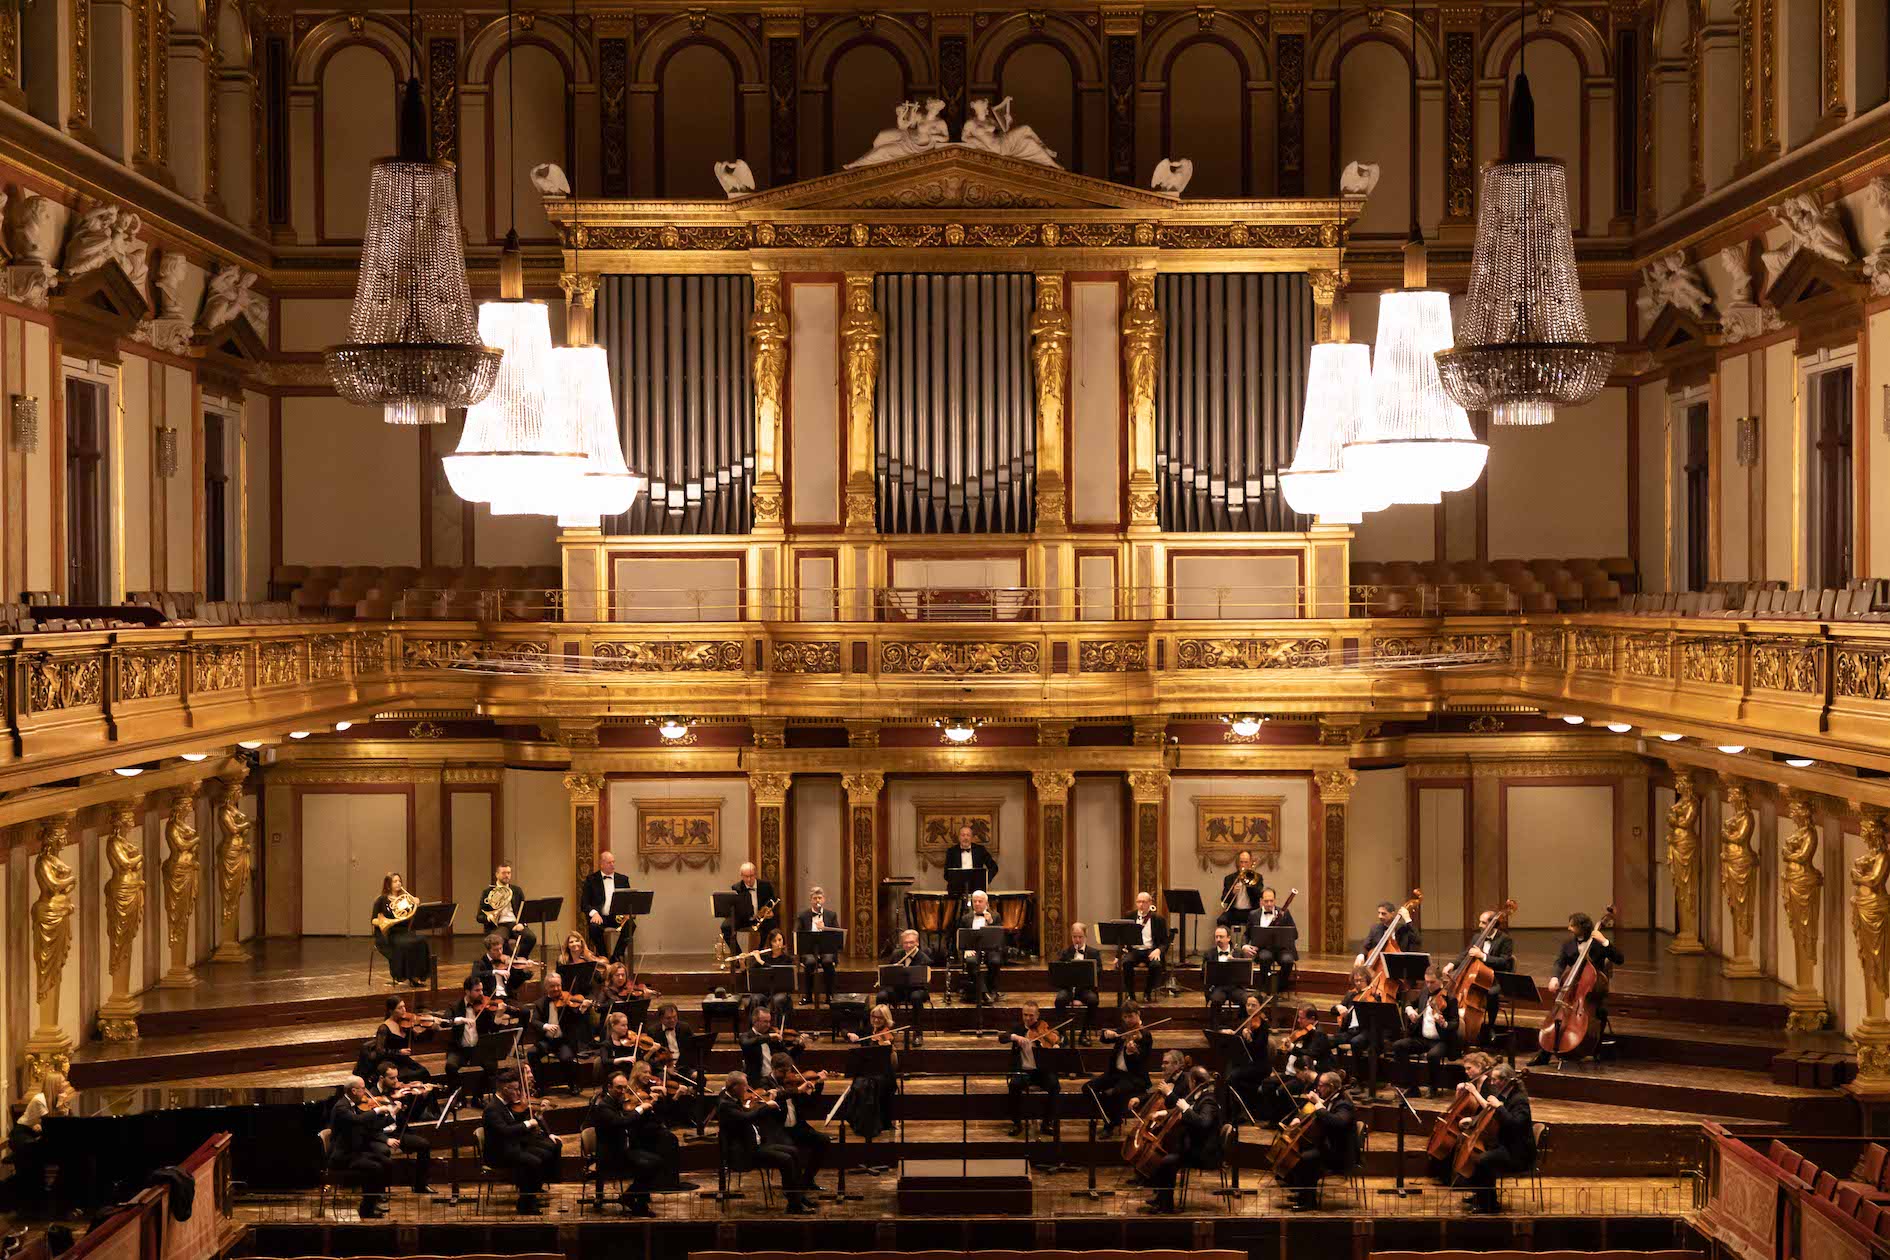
(1271, 914)
(25, 1143)
(498, 911)
(1476, 1066)
(412, 1103)
(1499, 954)
(360, 1145)
(1126, 1076)
(1028, 1072)
(755, 904)
(618, 1117)
(409, 957)
(969, 855)
(1408, 939)
(1307, 1045)
(1224, 951)
(676, 1053)
(581, 970)
(982, 967)
(516, 1142)
(620, 1045)
(654, 1137)
(500, 976)
(1352, 1032)
(620, 990)
(907, 953)
(600, 887)
(880, 1031)
(561, 1021)
(1197, 1145)
(1514, 1150)
(1430, 1028)
(1602, 954)
(799, 1096)
(1331, 1145)
(1085, 1000)
(1238, 892)
(1148, 953)
(473, 1020)
(817, 917)
(739, 1114)
(774, 954)
(394, 1038)
(1248, 1076)
(764, 1043)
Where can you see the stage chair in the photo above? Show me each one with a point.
(587, 1151)
(1869, 1214)
(735, 1171)
(1545, 1145)
(488, 1175)
(1355, 1180)
(325, 1189)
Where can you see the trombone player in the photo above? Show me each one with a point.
(1240, 893)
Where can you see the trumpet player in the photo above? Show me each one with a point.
(1240, 893)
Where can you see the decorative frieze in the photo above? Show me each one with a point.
(1710, 660)
(1251, 653)
(710, 656)
(147, 675)
(944, 657)
(63, 682)
(216, 667)
(1787, 665)
(802, 657)
(1111, 656)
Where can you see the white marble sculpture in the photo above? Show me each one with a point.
(918, 129)
(1740, 314)
(1172, 175)
(1877, 262)
(255, 307)
(1672, 281)
(548, 178)
(1359, 179)
(992, 129)
(1808, 226)
(133, 255)
(91, 245)
(735, 177)
(36, 230)
(228, 295)
(173, 270)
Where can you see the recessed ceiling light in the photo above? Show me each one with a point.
(194, 756)
(129, 772)
(1573, 719)
(1800, 763)
(1731, 749)
(1670, 737)
(1620, 728)
(342, 726)
(251, 744)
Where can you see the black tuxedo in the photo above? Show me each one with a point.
(1334, 1150)
(1223, 994)
(489, 1040)
(526, 1151)
(1090, 999)
(751, 910)
(358, 1146)
(751, 1045)
(1138, 956)
(825, 963)
(1514, 1150)
(981, 859)
(1126, 1076)
(1035, 1074)
(591, 897)
(754, 1138)
(1408, 939)
(1199, 1145)
(1233, 914)
(1433, 1050)
(911, 997)
(1265, 960)
(623, 1148)
(517, 935)
(490, 976)
(569, 1042)
(982, 971)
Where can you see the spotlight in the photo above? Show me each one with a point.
(1573, 719)
(298, 734)
(1800, 763)
(194, 756)
(1670, 737)
(1620, 728)
(672, 728)
(958, 730)
(1732, 749)
(342, 726)
(129, 772)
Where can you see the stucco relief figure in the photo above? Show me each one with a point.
(1671, 281)
(124, 891)
(548, 178)
(917, 129)
(172, 271)
(1171, 175)
(992, 129)
(1738, 864)
(1741, 315)
(1683, 849)
(36, 230)
(1141, 339)
(181, 865)
(1870, 910)
(234, 857)
(228, 295)
(735, 177)
(52, 912)
(133, 255)
(1877, 264)
(1359, 179)
(91, 245)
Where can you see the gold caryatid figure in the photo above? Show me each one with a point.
(52, 911)
(124, 890)
(1870, 910)
(1683, 855)
(181, 863)
(235, 857)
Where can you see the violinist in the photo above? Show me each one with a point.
(1127, 1073)
(600, 887)
(1352, 1032)
(1239, 892)
(581, 970)
(412, 1104)
(560, 1020)
(799, 1094)
(907, 953)
(360, 1144)
(755, 904)
(1225, 951)
(409, 957)
(1028, 1072)
(1407, 936)
(653, 1136)
(739, 1114)
(516, 1142)
(620, 1045)
(675, 1040)
(1271, 914)
(817, 917)
(1514, 1148)
(1198, 1144)
(501, 977)
(498, 911)
(1307, 1045)
(1602, 955)
(1329, 1142)
(475, 1022)
(616, 1116)
(1498, 953)
(1430, 1028)
(1084, 1000)
(1250, 1066)
(982, 967)
(763, 1043)
(394, 1038)
(884, 1081)
(622, 990)
(1148, 952)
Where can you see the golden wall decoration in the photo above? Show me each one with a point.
(936, 821)
(768, 348)
(1870, 928)
(216, 667)
(1861, 673)
(327, 657)
(718, 656)
(1648, 655)
(1548, 649)
(1491, 647)
(799, 657)
(1226, 826)
(1111, 656)
(1786, 665)
(1594, 651)
(1710, 660)
(935, 657)
(676, 833)
(147, 675)
(63, 682)
(278, 664)
(52, 911)
(370, 653)
(1250, 653)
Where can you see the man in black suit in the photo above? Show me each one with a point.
(968, 855)
(1270, 914)
(594, 898)
(746, 1145)
(1080, 950)
(1200, 1146)
(416, 1106)
(1224, 951)
(1126, 1076)
(474, 1033)
(1407, 936)
(817, 918)
(518, 1144)
(1334, 1143)
(561, 1029)
(501, 977)
(1514, 1150)
(794, 1123)
(1238, 898)
(498, 911)
(1149, 953)
(982, 967)
(1498, 953)
(907, 953)
(763, 1043)
(359, 1145)
(1028, 1072)
(618, 1119)
(754, 906)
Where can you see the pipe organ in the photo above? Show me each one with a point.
(1228, 401)
(679, 371)
(955, 418)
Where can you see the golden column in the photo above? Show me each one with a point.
(770, 789)
(1053, 839)
(768, 347)
(1335, 796)
(235, 857)
(861, 881)
(49, 1049)
(1050, 357)
(124, 914)
(585, 790)
(1149, 790)
(1804, 891)
(1739, 877)
(860, 334)
(180, 883)
(1870, 921)
(1141, 360)
(580, 307)
(1683, 861)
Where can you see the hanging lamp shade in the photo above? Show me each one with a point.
(1523, 347)
(1338, 402)
(517, 452)
(604, 486)
(414, 346)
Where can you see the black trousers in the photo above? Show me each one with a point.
(594, 932)
(416, 1145)
(1493, 1163)
(812, 1145)
(644, 1170)
(1133, 958)
(532, 1165)
(982, 973)
(896, 999)
(825, 963)
(1274, 1101)
(563, 1050)
(373, 1172)
(1168, 1172)
(459, 1058)
(1041, 1078)
(733, 925)
(1090, 999)
(408, 956)
(1432, 1053)
(1285, 961)
(1226, 995)
(522, 939)
(1306, 1174)
(786, 1162)
(1114, 1089)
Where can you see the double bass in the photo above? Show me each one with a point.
(1472, 978)
(1382, 988)
(1572, 1028)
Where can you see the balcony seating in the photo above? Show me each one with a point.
(513, 592)
(1867, 600)
(1404, 588)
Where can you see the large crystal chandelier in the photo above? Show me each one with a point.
(1338, 401)
(604, 486)
(413, 347)
(1523, 349)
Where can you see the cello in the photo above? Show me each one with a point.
(1382, 987)
(1472, 978)
(1482, 1134)
(1161, 1127)
(1571, 1027)
(1297, 1135)
(1447, 1132)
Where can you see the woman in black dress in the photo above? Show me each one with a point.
(409, 958)
(394, 1038)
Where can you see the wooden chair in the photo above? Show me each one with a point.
(1183, 1183)
(1847, 1200)
(1870, 1164)
(1869, 1214)
(734, 1170)
(1825, 1186)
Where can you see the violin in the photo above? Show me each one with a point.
(407, 1021)
(572, 1002)
(1042, 1034)
(796, 1081)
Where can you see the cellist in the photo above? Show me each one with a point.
(1514, 1148)
(1602, 954)
(1448, 1127)
(1197, 1145)
(1329, 1143)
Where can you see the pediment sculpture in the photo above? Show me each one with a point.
(1672, 281)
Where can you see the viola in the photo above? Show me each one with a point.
(1572, 1027)
(1472, 979)
(407, 1021)
(1382, 987)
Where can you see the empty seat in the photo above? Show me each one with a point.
(1826, 1184)
(1870, 1164)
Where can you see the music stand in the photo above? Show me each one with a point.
(1123, 934)
(1062, 1061)
(434, 916)
(1375, 1019)
(541, 910)
(961, 882)
(831, 941)
(1515, 987)
(985, 940)
(1227, 975)
(625, 905)
(1077, 976)
(1181, 902)
(900, 982)
(874, 1060)
(1402, 1105)
(1277, 939)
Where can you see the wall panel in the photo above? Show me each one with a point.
(816, 464)
(1293, 868)
(1095, 404)
(350, 491)
(1096, 840)
(1559, 851)
(1377, 860)
(537, 831)
(679, 922)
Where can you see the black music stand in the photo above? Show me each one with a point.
(1515, 987)
(1181, 903)
(1123, 934)
(541, 910)
(821, 941)
(961, 883)
(874, 1060)
(1375, 1020)
(1062, 1061)
(1076, 977)
(432, 917)
(1403, 1106)
(625, 905)
(1227, 975)
(768, 981)
(902, 980)
(1278, 939)
(984, 940)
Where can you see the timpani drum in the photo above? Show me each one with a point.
(931, 912)
(1017, 912)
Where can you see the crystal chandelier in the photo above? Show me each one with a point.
(1524, 348)
(413, 346)
(1338, 400)
(604, 486)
